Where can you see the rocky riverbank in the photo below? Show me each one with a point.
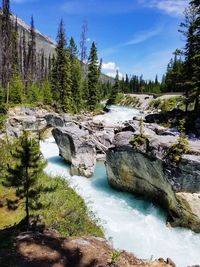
(82, 140)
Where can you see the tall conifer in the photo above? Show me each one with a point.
(93, 77)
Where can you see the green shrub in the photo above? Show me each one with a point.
(139, 140)
(115, 256)
(176, 151)
(65, 211)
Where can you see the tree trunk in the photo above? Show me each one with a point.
(8, 93)
(27, 199)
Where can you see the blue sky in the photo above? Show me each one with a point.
(133, 36)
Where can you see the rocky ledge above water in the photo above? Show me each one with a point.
(176, 187)
(82, 140)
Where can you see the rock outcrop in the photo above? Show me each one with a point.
(76, 148)
(146, 173)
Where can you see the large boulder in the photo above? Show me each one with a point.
(76, 148)
(54, 120)
(176, 187)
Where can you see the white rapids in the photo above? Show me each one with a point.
(132, 223)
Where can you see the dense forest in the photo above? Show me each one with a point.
(69, 79)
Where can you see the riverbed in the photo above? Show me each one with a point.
(131, 223)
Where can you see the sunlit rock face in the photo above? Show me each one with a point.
(76, 148)
(176, 188)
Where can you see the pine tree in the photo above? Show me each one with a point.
(16, 89)
(115, 91)
(54, 80)
(93, 77)
(77, 81)
(6, 46)
(32, 53)
(24, 174)
(190, 29)
(62, 71)
(67, 100)
(34, 93)
(47, 95)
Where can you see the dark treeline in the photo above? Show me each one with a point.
(65, 77)
(137, 84)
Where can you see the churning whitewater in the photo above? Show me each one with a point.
(133, 224)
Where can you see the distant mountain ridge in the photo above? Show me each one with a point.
(46, 44)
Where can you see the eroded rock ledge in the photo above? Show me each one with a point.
(176, 188)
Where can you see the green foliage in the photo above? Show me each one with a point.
(115, 256)
(28, 165)
(5, 159)
(2, 95)
(16, 89)
(115, 91)
(65, 211)
(166, 104)
(176, 151)
(47, 95)
(174, 76)
(93, 78)
(2, 120)
(50, 198)
(34, 94)
(139, 140)
(128, 100)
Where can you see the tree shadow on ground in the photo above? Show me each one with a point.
(40, 249)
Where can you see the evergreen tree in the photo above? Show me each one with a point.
(6, 46)
(62, 71)
(47, 95)
(66, 92)
(23, 175)
(93, 77)
(191, 66)
(34, 93)
(32, 53)
(73, 48)
(76, 74)
(115, 91)
(54, 80)
(16, 89)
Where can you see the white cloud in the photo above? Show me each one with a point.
(110, 69)
(109, 66)
(171, 7)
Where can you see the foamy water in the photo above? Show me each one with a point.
(134, 225)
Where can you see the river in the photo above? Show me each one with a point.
(132, 223)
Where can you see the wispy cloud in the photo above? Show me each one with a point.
(171, 7)
(103, 7)
(140, 37)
